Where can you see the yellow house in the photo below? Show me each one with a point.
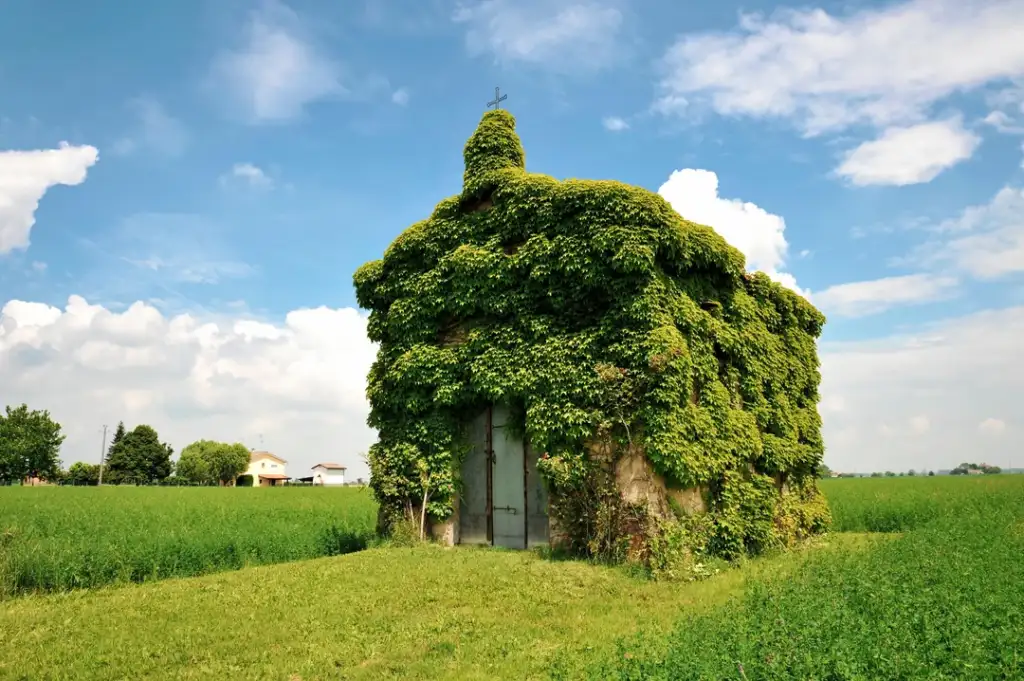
(266, 469)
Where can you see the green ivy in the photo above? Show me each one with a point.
(536, 293)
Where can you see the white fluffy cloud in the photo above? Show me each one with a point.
(910, 155)
(25, 176)
(560, 35)
(300, 383)
(249, 174)
(985, 241)
(279, 70)
(918, 400)
(693, 193)
(888, 67)
(861, 298)
(884, 66)
(914, 401)
(615, 124)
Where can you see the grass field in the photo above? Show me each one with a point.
(58, 538)
(943, 601)
(935, 591)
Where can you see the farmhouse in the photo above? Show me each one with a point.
(572, 362)
(266, 469)
(328, 474)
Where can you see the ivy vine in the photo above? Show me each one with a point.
(592, 308)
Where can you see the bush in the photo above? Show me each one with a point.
(244, 481)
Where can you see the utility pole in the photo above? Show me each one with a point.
(103, 454)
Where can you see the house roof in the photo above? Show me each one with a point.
(253, 455)
(274, 476)
(332, 466)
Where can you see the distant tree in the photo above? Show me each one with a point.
(890, 474)
(210, 461)
(29, 444)
(824, 471)
(965, 468)
(931, 473)
(81, 473)
(192, 466)
(139, 457)
(115, 441)
(876, 474)
(911, 472)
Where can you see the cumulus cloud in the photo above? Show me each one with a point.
(560, 35)
(298, 383)
(249, 174)
(909, 401)
(861, 298)
(910, 155)
(279, 70)
(884, 65)
(25, 176)
(693, 193)
(615, 124)
(953, 375)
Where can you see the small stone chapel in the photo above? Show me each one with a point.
(538, 336)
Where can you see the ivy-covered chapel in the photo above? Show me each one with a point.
(574, 363)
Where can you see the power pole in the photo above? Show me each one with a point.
(103, 454)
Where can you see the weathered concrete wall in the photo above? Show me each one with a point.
(640, 483)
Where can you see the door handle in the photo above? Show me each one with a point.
(507, 509)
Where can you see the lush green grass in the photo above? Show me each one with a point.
(57, 538)
(943, 601)
(384, 613)
(940, 596)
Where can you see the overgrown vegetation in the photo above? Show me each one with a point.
(54, 539)
(597, 314)
(943, 601)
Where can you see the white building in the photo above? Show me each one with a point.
(328, 474)
(266, 469)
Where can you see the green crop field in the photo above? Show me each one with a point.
(945, 600)
(58, 538)
(924, 581)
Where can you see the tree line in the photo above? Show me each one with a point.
(30, 442)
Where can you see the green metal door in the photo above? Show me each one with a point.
(508, 480)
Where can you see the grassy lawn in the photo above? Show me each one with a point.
(945, 600)
(424, 612)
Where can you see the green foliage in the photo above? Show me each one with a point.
(592, 309)
(941, 602)
(29, 444)
(244, 481)
(137, 457)
(206, 461)
(71, 538)
(81, 473)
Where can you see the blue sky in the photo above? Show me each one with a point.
(248, 156)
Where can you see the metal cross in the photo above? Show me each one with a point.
(497, 100)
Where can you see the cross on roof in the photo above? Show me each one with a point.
(497, 99)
